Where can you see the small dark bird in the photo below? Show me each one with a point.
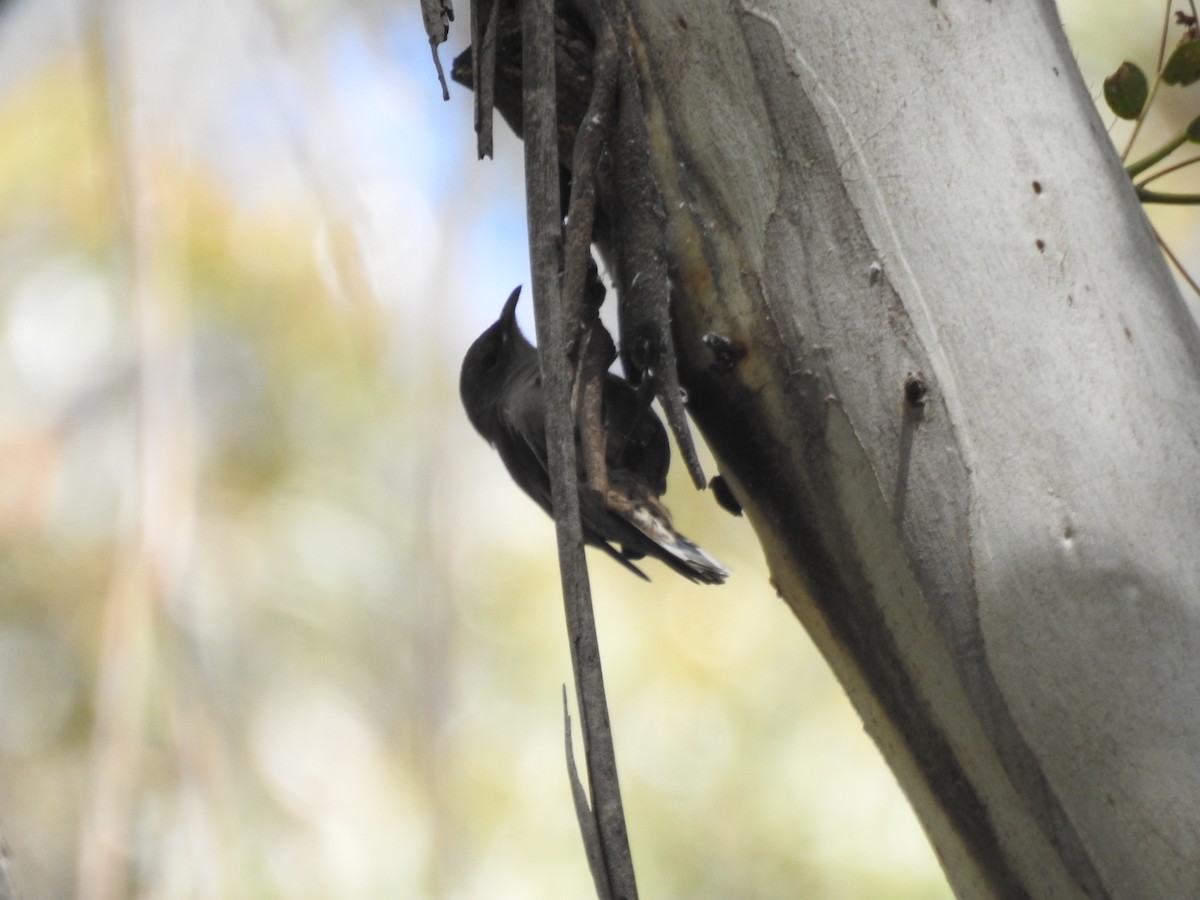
(501, 389)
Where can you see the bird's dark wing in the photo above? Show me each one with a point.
(522, 445)
(637, 441)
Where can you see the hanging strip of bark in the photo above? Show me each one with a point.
(647, 336)
(615, 878)
(592, 341)
(483, 37)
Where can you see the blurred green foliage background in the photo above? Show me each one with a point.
(273, 621)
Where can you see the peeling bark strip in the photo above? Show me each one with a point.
(638, 236)
(583, 293)
(483, 76)
(611, 863)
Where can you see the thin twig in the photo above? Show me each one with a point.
(1145, 196)
(1178, 265)
(1168, 170)
(1146, 162)
(1162, 50)
(588, 829)
(1162, 41)
(437, 15)
(615, 877)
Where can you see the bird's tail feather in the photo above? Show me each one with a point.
(623, 559)
(684, 556)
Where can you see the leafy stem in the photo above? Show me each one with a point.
(1137, 168)
(1146, 196)
(1168, 170)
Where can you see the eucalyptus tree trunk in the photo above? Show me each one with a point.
(966, 424)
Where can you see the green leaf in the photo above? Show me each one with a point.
(1193, 130)
(1184, 65)
(1125, 91)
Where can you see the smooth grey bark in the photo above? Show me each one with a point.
(1005, 579)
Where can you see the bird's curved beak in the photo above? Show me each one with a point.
(508, 315)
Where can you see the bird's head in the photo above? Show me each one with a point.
(497, 355)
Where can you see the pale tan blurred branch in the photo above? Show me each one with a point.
(152, 566)
(102, 864)
(321, 159)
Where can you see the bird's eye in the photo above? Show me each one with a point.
(490, 359)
